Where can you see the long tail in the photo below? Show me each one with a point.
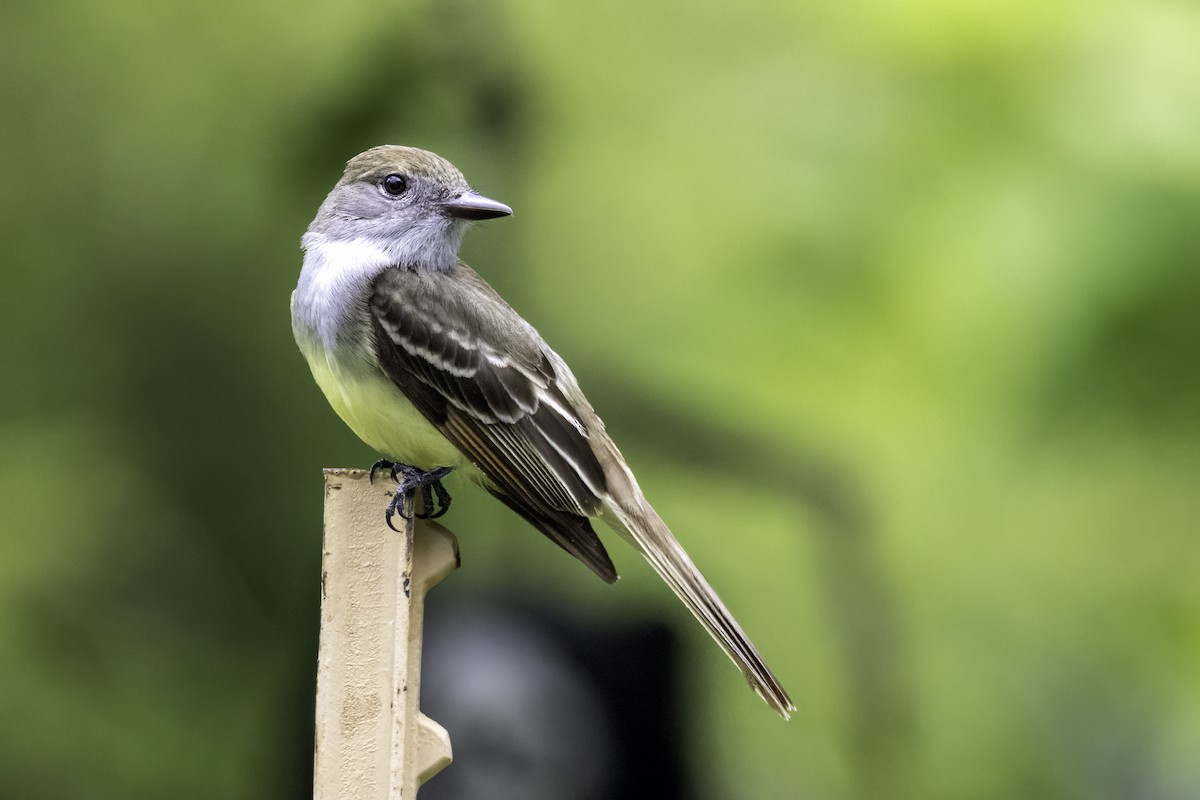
(639, 523)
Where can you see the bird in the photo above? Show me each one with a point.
(430, 367)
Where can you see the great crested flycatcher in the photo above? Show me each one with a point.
(429, 366)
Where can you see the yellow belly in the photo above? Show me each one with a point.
(383, 417)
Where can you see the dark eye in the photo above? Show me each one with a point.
(394, 184)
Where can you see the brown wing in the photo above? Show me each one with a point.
(482, 376)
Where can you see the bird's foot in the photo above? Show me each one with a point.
(411, 479)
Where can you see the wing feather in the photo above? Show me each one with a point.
(482, 377)
(492, 387)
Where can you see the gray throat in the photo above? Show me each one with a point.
(329, 306)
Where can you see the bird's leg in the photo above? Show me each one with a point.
(431, 484)
(443, 498)
(410, 479)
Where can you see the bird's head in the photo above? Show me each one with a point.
(410, 203)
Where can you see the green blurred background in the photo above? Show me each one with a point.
(893, 307)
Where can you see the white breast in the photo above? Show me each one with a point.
(332, 327)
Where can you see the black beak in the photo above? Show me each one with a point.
(470, 205)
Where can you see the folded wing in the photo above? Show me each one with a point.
(480, 374)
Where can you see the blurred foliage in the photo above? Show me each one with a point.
(893, 307)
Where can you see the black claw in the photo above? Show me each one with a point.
(393, 508)
(443, 498)
(410, 479)
(382, 463)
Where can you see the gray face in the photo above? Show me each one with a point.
(389, 190)
(409, 203)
